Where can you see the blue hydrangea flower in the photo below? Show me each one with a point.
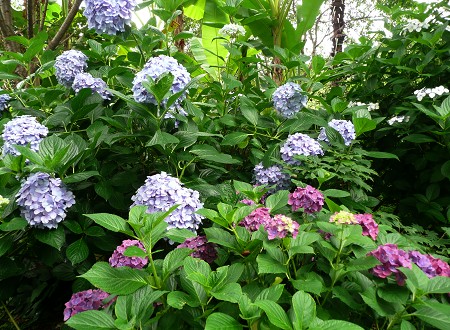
(299, 144)
(86, 80)
(154, 68)
(108, 16)
(22, 131)
(43, 200)
(4, 99)
(68, 65)
(288, 99)
(344, 127)
(161, 191)
(270, 176)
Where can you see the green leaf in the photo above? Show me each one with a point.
(363, 125)
(121, 281)
(304, 308)
(197, 270)
(234, 138)
(209, 153)
(277, 201)
(6, 242)
(380, 154)
(77, 252)
(394, 294)
(162, 139)
(14, 224)
(221, 237)
(434, 313)
(221, 321)
(317, 63)
(438, 284)
(419, 138)
(345, 296)
(249, 110)
(310, 282)
(335, 193)
(268, 265)
(415, 278)
(177, 299)
(231, 292)
(161, 87)
(336, 324)
(91, 320)
(174, 259)
(111, 222)
(179, 235)
(29, 154)
(134, 251)
(306, 15)
(53, 237)
(361, 263)
(276, 315)
(406, 325)
(445, 169)
(79, 177)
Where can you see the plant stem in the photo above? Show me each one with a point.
(11, 318)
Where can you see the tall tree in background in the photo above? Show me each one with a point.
(337, 17)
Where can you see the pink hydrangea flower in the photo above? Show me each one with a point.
(119, 260)
(369, 226)
(308, 198)
(281, 226)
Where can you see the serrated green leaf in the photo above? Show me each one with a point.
(121, 281)
(162, 139)
(278, 200)
(234, 138)
(77, 252)
(337, 324)
(177, 299)
(276, 315)
(434, 313)
(53, 237)
(221, 321)
(304, 310)
(134, 251)
(249, 110)
(111, 222)
(91, 320)
(78, 177)
(268, 265)
(335, 193)
(438, 284)
(231, 292)
(174, 259)
(14, 224)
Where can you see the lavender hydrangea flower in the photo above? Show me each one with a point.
(280, 226)
(271, 176)
(118, 259)
(161, 191)
(344, 218)
(344, 127)
(369, 226)
(43, 200)
(254, 220)
(430, 265)
(299, 144)
(308, 198)
(68, 65)
(85, 301)
(247, 201)
(4, 99)
(154, 68)
(391, 258)
(288, 99)
(86, 80)
(22, 131)
(108, 16)
(202, 248)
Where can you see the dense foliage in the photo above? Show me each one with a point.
(225, 181)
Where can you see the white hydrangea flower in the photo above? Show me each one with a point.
(398, 119)
(232, 30)
(431, 92)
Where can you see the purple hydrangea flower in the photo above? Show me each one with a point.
(391, 258)
(299, 144)
(118, 259)
(86, 80)
(247, 201)
(369, 226)
(161, 191)
(22, 131)
(43, 200)
(271, 176)
(280, 226)
(4, 99)
(430, 265)
(108, 16)
(254, 220)
(344, 127)
(68, 65)
(288, 99)
(202, 248)
(344, 218)
(85, 301)
(154, 68)
(309, 198)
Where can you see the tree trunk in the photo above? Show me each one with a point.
(337, 13)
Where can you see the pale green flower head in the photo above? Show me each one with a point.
(343, 218)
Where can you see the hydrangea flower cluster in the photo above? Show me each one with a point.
(154, 68)
(344, 218)
(43, 200)
(118, 259)
(254, 220)
(416, 25)
(85, 301)
(308, 198)
(247, 201)
(430, 265)
(431, 92)
(281, 226)
(68, 65)
(398, 119)
(4, 99)
(108, 16)
(86, 80)
(161, 191)
(369, 226)
(344, 127)
(391, 258)
(299, 144)
(202, 248)
(22, 131)
(232, 30)
(271, 176)
(370, 106)
(288, 99)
